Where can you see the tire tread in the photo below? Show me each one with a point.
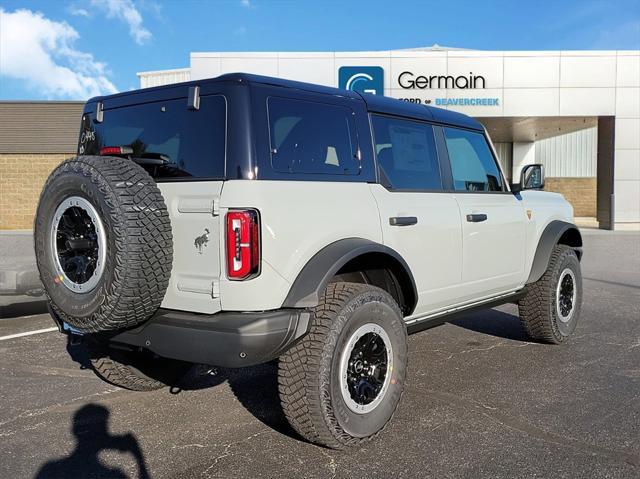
(535, 308)
(139, 222)
(299, 380)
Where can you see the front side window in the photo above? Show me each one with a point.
(472, 164)
(406, 153)
(312, 137)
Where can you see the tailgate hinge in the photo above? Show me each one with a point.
(215, 288)
(215, 207)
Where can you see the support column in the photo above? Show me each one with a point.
(524, 153)
(605, 169)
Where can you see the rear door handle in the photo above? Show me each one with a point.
(476, 217)
(403, 220)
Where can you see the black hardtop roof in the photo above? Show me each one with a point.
(375, 103)
(393, 106)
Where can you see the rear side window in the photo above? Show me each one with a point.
(472, 164)
(312, 137)
(168, 139)
(406, 152)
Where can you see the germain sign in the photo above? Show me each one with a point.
(408, 80)
(370, 79)
(362, 79)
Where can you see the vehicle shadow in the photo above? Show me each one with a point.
(255, 387)
(91, 430)
(493, 322)
(22, 308)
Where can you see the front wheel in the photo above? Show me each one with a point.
(342, 383)
(550, 309)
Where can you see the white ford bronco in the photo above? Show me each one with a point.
(237, 220)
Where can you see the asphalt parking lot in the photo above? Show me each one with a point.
(480, 401)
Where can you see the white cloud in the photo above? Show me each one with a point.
(41, 52)
(125, 11)
(77, 11)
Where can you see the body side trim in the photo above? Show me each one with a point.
(548, 239)
(316, 274)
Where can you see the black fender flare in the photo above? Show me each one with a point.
(548, 239)
(314, 277)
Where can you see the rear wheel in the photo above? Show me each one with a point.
(134, 370)
(342, 383)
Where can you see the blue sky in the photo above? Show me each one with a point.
(61, 49)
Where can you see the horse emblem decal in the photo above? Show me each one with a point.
(201, 241)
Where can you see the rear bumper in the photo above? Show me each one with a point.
(226, 339)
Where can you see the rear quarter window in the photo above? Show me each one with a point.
(312, 137)
(169, 140)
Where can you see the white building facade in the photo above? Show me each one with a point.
(577, 112)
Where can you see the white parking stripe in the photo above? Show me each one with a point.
(28, 333)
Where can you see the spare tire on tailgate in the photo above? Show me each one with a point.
(103, 243)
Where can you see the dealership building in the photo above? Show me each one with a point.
(576, 112)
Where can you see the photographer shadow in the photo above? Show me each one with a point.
(91, 430)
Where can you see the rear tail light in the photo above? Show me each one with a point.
(243, 244)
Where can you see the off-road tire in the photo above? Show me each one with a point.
(134, 370)
(538, 312)
(139, 245)
(308, 376)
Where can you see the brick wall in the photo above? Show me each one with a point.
(21, 179)
(580, 192)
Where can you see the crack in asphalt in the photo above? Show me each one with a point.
(29, 413)
(331, 465)
(186, 446)
(226, 452)
(26, 428)
(501, 344)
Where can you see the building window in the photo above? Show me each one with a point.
(312, 137)
(406, 153)
(472, 164)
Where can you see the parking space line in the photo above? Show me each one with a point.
(27, 333)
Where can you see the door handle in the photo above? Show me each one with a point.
(403, 220)
(476, 217)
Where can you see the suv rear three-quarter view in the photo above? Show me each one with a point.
(242, 219)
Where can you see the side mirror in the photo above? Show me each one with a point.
(531, 178)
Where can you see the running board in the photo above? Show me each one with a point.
(415, 325)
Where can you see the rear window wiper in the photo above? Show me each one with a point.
(160, 162)
(148, 158)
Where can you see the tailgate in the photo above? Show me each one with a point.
(195, 275)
